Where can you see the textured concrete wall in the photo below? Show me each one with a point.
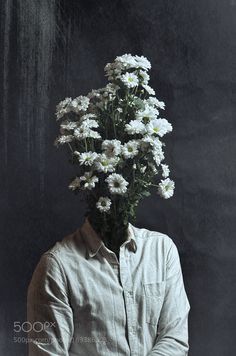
(51, 49)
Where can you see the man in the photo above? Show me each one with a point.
(86, 301)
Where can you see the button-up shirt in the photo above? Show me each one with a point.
(83, 300)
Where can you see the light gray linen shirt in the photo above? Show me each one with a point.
(82, 301)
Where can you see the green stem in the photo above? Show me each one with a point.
(86, 146)
(114, 126)
(70, 147)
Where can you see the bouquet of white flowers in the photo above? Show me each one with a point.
(114, 136)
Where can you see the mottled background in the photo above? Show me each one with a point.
(51, 49)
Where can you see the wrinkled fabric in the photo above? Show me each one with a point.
(83, 300)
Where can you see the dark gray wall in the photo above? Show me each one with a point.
(51, 49)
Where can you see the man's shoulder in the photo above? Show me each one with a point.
(152, 236)
(145, 233)
(68, 248)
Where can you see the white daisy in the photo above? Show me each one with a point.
(89, 180)
(166, 188)
(89, 123)
(152, 141)
(83, 132)
(114, 69)
(158, 156)
(148, 89)
(147, 114)
(87, 158)
(155, 102)
(110, 90)
(165, 170)
(112, 148)
(68, 125)
(81, 103)
(75, 184)
(103, 204)
(153, 145)
(142, 62)
(63, 108)
(93, 134)
(117, 184)
(144, 76)
(135, 127)
(105, 164)
(130, 149)
(87, 116)
(95, 93)
(63, 139)
(159, 127)
(129, 79)
(127, 61)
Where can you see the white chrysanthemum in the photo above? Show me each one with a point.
(103, 204)
(105, 164)
(113, 70)
(81, 103)
(117, 184)
(127, 61)
(165, 170)
(112, 148)
(154, 146)
(63, 139)
(158, 156)
(87, 116)
(68, 125)
(110, 90)
(129, 79)
(130, 149)
(83, 132)
(63, 108)
(75, 184)
(89, 123)
(89, 180)
(159, 127)
(93, 134)
(142, 62)
(155, 102)
(166, 188)
(150, 90)
(87, 158)
(94, 93)
(149, 113)
(150, 141)
(135, 127)
(144, 76)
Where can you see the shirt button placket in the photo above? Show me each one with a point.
(127, 284)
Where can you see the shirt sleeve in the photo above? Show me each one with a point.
(48, 311)
(172, 332)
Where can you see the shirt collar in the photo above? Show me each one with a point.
(94, 242)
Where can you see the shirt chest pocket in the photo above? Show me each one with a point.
(154, 294)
